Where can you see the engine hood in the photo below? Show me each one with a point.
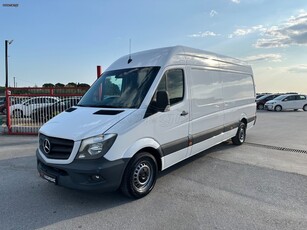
(78, 123)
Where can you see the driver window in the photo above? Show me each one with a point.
(172, 82)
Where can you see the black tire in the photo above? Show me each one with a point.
(278, 108)
(239, 138)
(260, 106)
(17, 113)
(305, 107)
(140, 176)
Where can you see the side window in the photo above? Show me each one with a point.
(173, 82)
(51, 100)
(42, 100)
(33, 101)
(301, 97)
(292, 98)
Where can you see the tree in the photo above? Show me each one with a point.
(71, 84)
(48, 85)
(111, 88)
(83, 85)
(59, 85)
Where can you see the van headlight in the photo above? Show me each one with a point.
(96, 147)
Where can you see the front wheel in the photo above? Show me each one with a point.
(239, 138)
(305, 108)
(278, 108)
(140, 176)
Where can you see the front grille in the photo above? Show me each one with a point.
(58, 149)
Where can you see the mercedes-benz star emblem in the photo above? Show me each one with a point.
(47, 146)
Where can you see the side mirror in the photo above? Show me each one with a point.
(163, 103)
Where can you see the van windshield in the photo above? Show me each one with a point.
(125, 88)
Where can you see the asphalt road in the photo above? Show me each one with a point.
(253, 186)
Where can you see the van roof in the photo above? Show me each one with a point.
(180, 55)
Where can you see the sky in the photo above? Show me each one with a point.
(64, 40)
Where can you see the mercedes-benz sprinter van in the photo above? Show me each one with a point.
(148, 111)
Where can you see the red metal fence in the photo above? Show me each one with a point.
(27, 109)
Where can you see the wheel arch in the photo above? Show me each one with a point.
(156, 153)
(146, 145)
(244, 120)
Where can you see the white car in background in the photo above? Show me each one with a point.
(287, 101)
(25, 108)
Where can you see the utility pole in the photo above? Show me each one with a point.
(14, 82)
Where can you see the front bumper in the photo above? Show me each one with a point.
(99, 174)
(269, 107)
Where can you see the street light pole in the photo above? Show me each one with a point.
(7, 43)
(6, 65)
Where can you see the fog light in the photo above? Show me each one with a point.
(96, 178)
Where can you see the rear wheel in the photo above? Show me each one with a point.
(240, 136)
(260, 106)
(305, 108)
(278, 108)
(140, 176)
(17, 113)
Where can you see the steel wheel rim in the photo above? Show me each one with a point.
(142, 176)
(241, 135)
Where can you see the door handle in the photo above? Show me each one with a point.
(184, 113)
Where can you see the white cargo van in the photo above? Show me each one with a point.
(147, 112)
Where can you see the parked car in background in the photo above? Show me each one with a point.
(2, 105)
(262, 100)
(261, 95)
(288, 101)
(25, 108)
(45, 113)
(13, 101)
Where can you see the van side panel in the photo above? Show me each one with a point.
(206, 121)
(239, 100)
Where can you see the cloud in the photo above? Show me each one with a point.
(246, 31)
(298, 69)
(291, 32)
(264, 57)
(236, 1)
(203, 34)
(213, 13)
